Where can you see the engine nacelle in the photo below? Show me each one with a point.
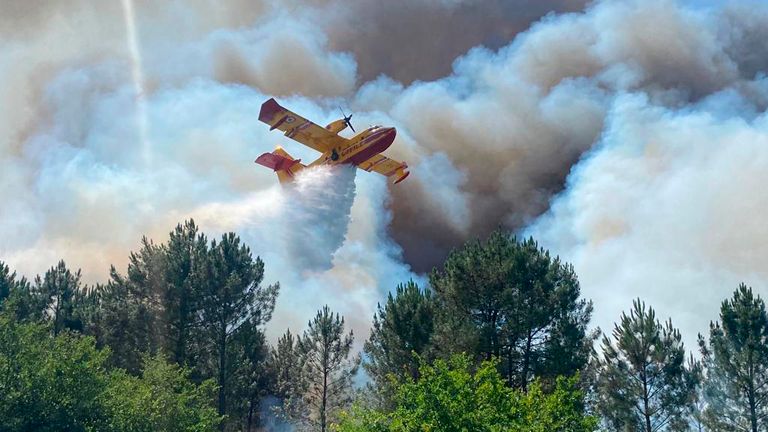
(337, 126)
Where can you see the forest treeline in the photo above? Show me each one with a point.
(499, 340)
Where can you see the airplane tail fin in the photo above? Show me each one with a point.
(282, 163)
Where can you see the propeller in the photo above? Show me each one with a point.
(347, 119)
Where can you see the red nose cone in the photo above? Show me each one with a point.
(387, 138)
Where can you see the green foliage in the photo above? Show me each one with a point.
(448, 396)
(50, 384)
(561, 409)
(402, 329)
(643, 382)
(162, 399)
(61, 383)
(736, 389)
(511, 300)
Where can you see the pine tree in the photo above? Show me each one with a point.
(7, 282)
(233, 296)
(547, 336)
(130, 308)
(287, 382)
(736, 389)
(401, 334)
(643, 382)
(17, 297)
(474, 294)
(186, 256)
(511, 300)
(60, 292)
(88, 309)
(23, 303)
(249, 355)
(327, 368)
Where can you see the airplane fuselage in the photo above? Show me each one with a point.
(359, 148)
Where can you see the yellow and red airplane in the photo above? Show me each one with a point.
(363, 150)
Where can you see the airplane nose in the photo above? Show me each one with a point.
(391, 132)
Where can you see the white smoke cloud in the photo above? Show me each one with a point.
(674, 96)
(666, 209)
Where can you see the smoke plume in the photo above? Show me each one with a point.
(627, 136)
(515, 120)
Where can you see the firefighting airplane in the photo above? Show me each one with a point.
(363, 150)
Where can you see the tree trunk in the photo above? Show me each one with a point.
(56, 313)
(645, 404)
(752, 407)
(324, 401)
(222, 373)
(179, 351)
(751, 394)
(181, 341)
(494, 351)
(526, 361)
(250, 415)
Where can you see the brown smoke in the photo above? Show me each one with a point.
(410, 40)
(515, 121)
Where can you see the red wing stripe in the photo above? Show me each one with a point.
(381, 159)
(401, 166)
(371, 165)
(279, 122)
(295, 131)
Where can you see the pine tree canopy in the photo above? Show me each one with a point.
(510, 299)
(736, 357)
(401, 334)
(644, 382)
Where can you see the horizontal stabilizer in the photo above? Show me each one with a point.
(276, 162)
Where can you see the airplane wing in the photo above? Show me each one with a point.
(298, 128)
(394, 170)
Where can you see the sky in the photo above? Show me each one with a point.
(628, 137)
